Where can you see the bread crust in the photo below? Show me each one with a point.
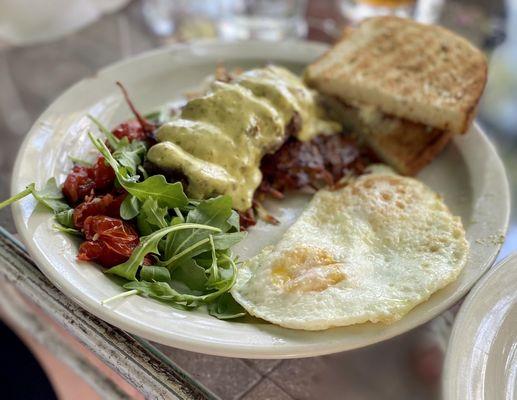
(405, 145)
(421, 73)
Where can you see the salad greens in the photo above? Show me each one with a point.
(170, 195)
(182, 234)
(50, 196)
(184, 256)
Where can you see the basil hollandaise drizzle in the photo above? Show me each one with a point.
(218, 140)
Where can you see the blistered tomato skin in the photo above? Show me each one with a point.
(102, 174)
(109, 241)
(78, 184)
(108, 205)
(84, 181)
(131, 129)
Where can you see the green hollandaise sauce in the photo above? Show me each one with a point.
(218, 140)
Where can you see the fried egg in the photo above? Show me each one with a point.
(370, 251)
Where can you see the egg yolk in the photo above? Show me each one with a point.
(306, 269)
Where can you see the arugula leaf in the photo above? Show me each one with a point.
(131, 155)
(66, 218)
(114, 142)
(143, 226)
(70, 231)
(143, 172)
(213, 271)
(166, 194)
(28, 190)
(225, 307)
(149, 244)
(221, 241)
(154, 273)
(163, 291)
(214, 212)
(51, 196)
(159, 290)
(224, 241)
(234, 221)
(156, 186)
(189, 252)
(154, 214)
(130, 207)
(191, 274)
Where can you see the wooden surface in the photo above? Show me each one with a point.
(33, 303)
(406, 367)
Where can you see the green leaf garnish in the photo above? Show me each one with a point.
(51, 196)
(154, 214)
(114, 142)
(153, 273)
(163, 291)
(191, 274)
(225, 307)
(69, 231)
(131, 156)
(130, 207)
(214, 212)
(25, 192)
(66, 218)
(149, 244)
(166, 194)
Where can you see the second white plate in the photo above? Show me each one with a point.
(481, 362)
(469, 174)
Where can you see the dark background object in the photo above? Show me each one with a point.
(21, 376)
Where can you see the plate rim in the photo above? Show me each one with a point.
(230, 350)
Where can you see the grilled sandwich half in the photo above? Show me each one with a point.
(403, 87)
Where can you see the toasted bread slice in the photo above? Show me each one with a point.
(420, 73)
(405, 145)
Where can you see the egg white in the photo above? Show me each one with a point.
(370, 251)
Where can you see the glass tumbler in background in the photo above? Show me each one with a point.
(262, 19)
(356, 10)
(182, 19)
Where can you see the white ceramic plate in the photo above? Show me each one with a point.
(481, 363)
(469, 174)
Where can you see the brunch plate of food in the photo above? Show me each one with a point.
(268, 200)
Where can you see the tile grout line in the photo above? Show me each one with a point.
(263, 377)
(250, 388)
(272, 369)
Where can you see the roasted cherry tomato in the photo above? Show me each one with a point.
(108, 205)
(102, 174)
(131, 129)
(84, 181)
(109, 241)
(78, 184)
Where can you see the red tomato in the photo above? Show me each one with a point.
(108, 205)
(102, 174)
(82, 181)
(131, 129)
(109, 241)
(78, 184)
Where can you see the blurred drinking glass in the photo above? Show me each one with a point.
(262, 19)
(356, 10)
(182, 19)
